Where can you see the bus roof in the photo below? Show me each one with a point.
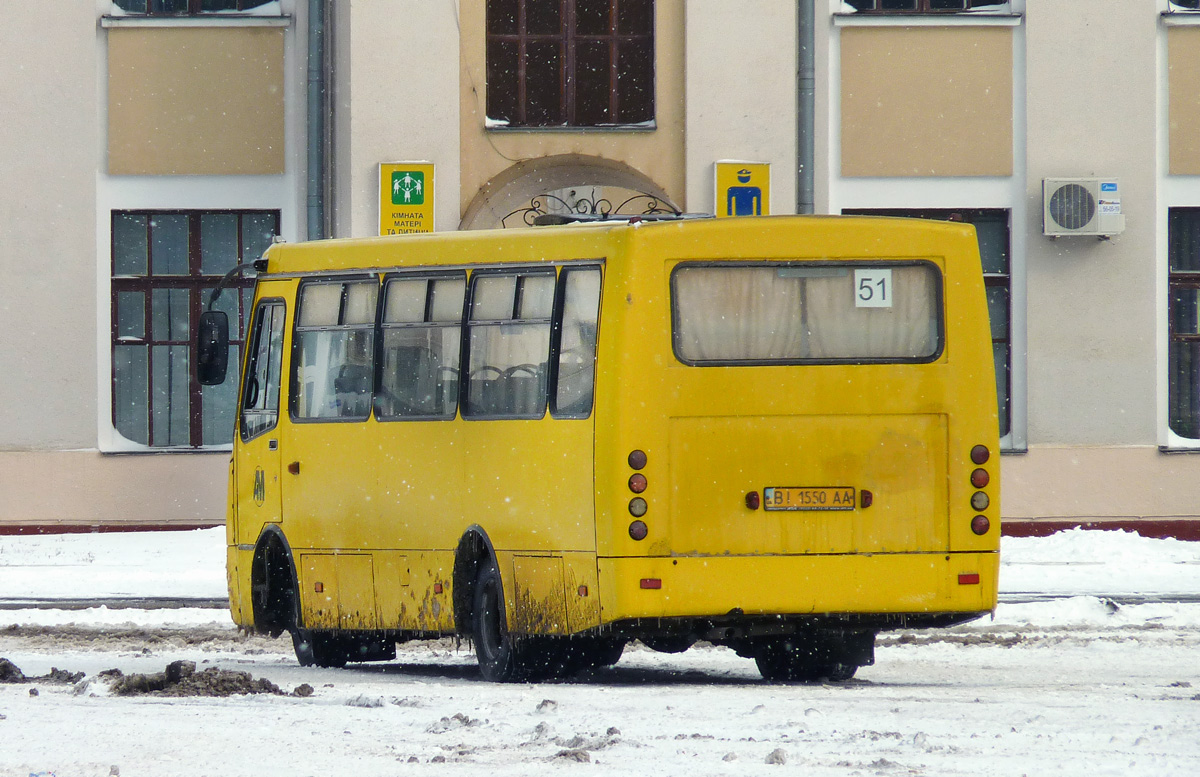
(765, 237)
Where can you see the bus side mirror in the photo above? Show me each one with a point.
(212, 348)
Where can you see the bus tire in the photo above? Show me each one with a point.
(495, 647)
(318, 648)
(786, 660)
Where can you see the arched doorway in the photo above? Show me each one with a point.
(567, 183)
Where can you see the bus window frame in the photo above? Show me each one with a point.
(464, 382)
(293, 394)
(427, 274)
(249, 360)
(849, 262)
(556, 327)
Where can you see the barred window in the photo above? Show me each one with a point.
(573, 63)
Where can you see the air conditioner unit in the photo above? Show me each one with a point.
(1082, 206)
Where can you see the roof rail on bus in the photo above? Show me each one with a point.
(556, 219)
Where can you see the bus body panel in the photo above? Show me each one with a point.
(841, 584)
(715, 462)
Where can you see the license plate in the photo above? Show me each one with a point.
(804, 498)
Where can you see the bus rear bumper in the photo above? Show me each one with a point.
(874, 590)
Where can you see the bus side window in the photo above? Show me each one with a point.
(334, 349)
(576, 347)
(260, 395)
(421, 333)
(508, 344)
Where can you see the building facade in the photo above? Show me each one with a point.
(155, 145)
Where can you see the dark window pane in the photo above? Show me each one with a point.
(502, 81)
(897, 5)
(222, 5)
(169, 244)
(1185, 311)
(131, 316)
(168, 6)
(218, 243)
(543, 83)
(593, 17)
(947, 5)
(993, 244)
(130, 375)
(1000, 357)
(169, 314)
(635, 17)
(502, 17)
(635, 82)
(592, 96)
(129, 244)
(543, 17)
(1183, 238)
(132, 6)
(997, 302)
(1183, 381)
(169, 409)
(258, 230)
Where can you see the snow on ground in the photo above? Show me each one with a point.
(1073, 686)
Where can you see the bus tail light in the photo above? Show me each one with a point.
(752, 500)
(980, 524)
(637, 459)
(980, 478)
(968, 578)
(637, 483)
(638, 530)
(979, 500)
(637, 507)
(652, 583)
(980, 454)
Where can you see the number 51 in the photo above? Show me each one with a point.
(873, 288)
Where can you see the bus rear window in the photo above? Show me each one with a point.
(789, 313)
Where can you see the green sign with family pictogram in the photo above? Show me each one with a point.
(405, 198)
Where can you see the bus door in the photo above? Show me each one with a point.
(257, 454)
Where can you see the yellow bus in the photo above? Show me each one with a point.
(774, 434)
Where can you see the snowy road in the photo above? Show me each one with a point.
(1083, 691)
(1068, 686)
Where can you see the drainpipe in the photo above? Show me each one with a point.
(316, 119)
(806, 87)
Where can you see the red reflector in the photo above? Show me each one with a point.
(319, 587)
(651, 582)
(752, 500)
(865, 498)
(970, 578)
(583, 590)
(437, 588)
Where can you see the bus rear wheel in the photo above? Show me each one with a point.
(793, 660)
(318, 648)
(495, 647)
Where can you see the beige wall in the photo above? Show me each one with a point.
(1091, 307)
(47, 236)
(658, 154)
(1183, 74)
(926, 101)
(1089, 483)
(87, 488)
(741, 98)
(195, 101)
(396, 99)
